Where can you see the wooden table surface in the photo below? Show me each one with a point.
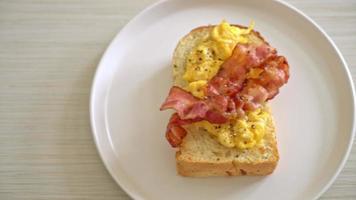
(49, 50)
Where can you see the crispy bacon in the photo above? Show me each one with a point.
(190, 107)
(233, 72)
(252, 96)
(231, 92)
(175, 132)
(265, 87)
(184, 102)
(175, 135)
(275, 74)
(231, 87)
(244, 57)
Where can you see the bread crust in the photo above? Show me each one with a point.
(205, 169)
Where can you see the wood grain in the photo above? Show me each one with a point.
(48, 56)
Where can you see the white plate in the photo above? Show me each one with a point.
(314, 112)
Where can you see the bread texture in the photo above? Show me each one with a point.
(200, 155)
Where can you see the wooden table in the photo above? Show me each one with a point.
(49, 50)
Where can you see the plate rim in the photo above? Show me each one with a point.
(352, 86)
(100, 66)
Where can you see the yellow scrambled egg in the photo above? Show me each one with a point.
(240, 133)
(204, 61)
(202, 64)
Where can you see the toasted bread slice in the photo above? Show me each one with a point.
(200, 155)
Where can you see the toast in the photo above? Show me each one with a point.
(200, 155)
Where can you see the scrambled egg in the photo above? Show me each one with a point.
(241, 133)
(204, 61)
(202, 64)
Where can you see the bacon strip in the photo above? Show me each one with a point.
(266, 86)
(175, 132)
(186, 105)
(230, 92)
(233, 72)
(190, 107)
